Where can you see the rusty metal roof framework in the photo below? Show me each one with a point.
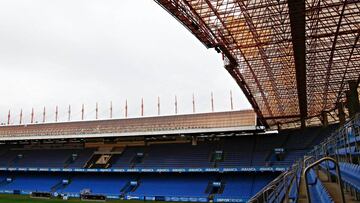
(291, 58)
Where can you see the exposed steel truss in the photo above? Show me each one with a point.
(292, 59)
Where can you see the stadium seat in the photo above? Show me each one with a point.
(318, 192)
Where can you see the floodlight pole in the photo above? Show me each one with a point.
(82, 112)
(8, 121)
(212, 102)
(44, 115)
(32, 116)
(158, 105)
(56, 113)
(97, 111)
(111, 110)
(126, 109)
(69, 113)
(193, 103)
(176, 105)
(21, 115)
(142, 106)
(231, 101)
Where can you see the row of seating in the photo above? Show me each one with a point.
(157, 156)
(235, 186)
(246, 151)
(343, 145)
(350, 173)
(347, 150)
(318, 192)
(245, 185)
(50, 158)
(294, 187)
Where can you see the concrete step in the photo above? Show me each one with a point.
(330, 186)
(333, 189)
(302, 191)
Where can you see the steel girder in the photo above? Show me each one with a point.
(258, 43)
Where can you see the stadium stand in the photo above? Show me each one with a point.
(162, 170)
(297, 63)
(331, 170)
(28, 182)
(49, 158)
(171, 186)
(244, 186)
(247, 163)
(243, 151)
(318, 192)
(177, 185)
(104, 184)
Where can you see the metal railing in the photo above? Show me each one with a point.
(316, 163)
(277, 189)
(345, 138)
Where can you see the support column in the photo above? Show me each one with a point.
(352, 98)
(278, 126)
(194, 141)
(303, 123)
(341, 113)
(324, 118)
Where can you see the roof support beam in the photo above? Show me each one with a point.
(333, 47)
(232, 68)
(341, 90)
(297, 23)
(262, 52)
(208, 37)
(283, 117)
(237, 72)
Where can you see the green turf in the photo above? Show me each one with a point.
(27, 199)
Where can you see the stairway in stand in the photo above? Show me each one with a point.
(302, 192)
(332, 188)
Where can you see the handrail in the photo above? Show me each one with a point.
(285, 176)
(307, 169)
(273, 184)
(306, 159)
(263, 191)
(321, 152)
(296, 180)
(266, 192)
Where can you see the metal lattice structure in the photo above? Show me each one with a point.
(292, 59)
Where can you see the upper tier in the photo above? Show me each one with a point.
(242, 153)
(159, 125)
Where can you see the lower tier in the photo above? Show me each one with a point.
(184, 187)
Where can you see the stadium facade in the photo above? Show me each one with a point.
(224, 156)
(297, 63)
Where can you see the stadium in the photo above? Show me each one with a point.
(298, 64)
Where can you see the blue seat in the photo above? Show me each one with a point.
(31, 182)
(348, 150)
(293, 194)
(318, 192)
(350, 173)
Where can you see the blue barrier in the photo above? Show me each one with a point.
(230, 200)
(152, 170)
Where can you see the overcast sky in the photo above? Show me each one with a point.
(63, 52)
